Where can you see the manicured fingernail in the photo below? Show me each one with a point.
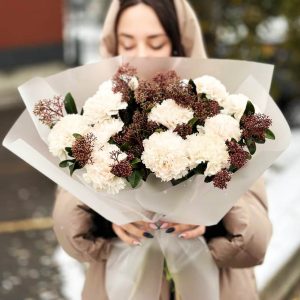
(164, 225)
(137, 243)
(182, 236)
(148, 235)
(169, 230)
(153, 226)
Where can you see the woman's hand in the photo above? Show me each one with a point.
(184, 231)
(131, 233)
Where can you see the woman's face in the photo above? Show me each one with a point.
(140, 33)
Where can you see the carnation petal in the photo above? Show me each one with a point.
(170, 114)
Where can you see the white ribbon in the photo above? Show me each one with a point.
(135, 273)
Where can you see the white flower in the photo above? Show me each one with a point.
(103, 104)
(224, 126)
(61, 135)
(207, 148)
(98, 174)
(165, 155)
(133, 83)
(170, 114)
(104, 131)
(235, 105)
(212, 87)
(184, 82)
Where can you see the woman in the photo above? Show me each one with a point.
(151, 28)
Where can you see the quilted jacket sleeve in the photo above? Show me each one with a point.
(248, 231)
(72, 223)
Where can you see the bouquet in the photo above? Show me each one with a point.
(143, 140)
(172, 127)
(152, 144)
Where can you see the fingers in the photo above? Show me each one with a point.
(133, 230)
(176, 229)
(131, 233)
(184, 231)
(146, 226)
(192, 234)
(124, 236)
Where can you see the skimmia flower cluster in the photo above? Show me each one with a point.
(49, 111)
(172, 127)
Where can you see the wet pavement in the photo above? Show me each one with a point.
(27, 268)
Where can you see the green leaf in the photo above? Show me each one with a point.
(70, 105)
(182, 179)
(124, 147)
(251, 146)
(77, 136)
(135, 178)
(232, 169)
(126, 115)
(145, 173)
(269, 134)
(203, 97)
(72, 169)
(75, 166)
(69, 151)
(258, 141)
(200, 169)
(193, 121)
(64, 163)
(111, 141)
(193, 85)
(249, 110)
(209, 179)
(159, 130)
(135, 161)
(82, 112)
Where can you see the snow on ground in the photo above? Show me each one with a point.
(72, 274)
(283, 187)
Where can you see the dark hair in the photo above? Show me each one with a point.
(166, 13)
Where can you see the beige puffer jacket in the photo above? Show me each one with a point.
(247, 224)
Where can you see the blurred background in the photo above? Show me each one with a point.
(39, 38)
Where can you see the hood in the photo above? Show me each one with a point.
(191, 35)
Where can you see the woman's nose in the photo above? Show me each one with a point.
(142, 50)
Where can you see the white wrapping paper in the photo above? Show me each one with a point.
(192, 202)
(134, 273)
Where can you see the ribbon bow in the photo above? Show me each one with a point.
(135, 273)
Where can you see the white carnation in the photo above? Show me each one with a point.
(224, 126)
(133, 83)
(207, 148)
(212, 87)
(103, 104)
(61, 135)
(165, 155)
(98, 174)
(104, 131)
(235, 105)
(170, 114)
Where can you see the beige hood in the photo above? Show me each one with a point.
(190, 30)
